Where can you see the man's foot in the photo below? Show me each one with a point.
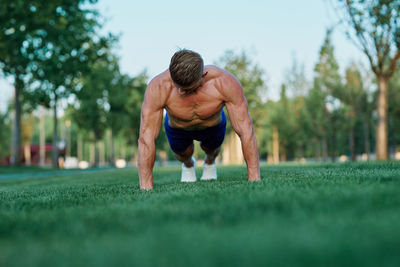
(209, 172)
(189, 174)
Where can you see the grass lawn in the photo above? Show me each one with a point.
(34, 172)
(298, 215)
(33, 169)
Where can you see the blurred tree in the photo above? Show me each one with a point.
(394, 112)
(18, 24)
(327, 80)
(314, 116)
(286, 125)
(374, 27)
(70, 45)
(278, 126)
(297, 89)
(135, 95)
(31, 100)
(135, 89)
(50, 42)
(296, 81)
(354, 99)
(117, 117)
(27, 132)
(5, 134)
(90, 112)
(250, 75)
(124, 98)
(268, 141)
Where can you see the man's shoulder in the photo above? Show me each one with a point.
(160, 80)
(218, 73)
(160, 84)
(223, 79)
(214, 71)
(159, 88)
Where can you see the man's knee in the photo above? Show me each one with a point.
(187, 153)
(210, 151)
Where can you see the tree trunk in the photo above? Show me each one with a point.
(42, 149)
(163, 157)
(300, 151)
(324, 148)
(68, 137)
(367, 145)
(79, 148)
(27, 153)
(275, 145)
(55, 134)
(270, 158)
(333, 152)
(317, 149)
(283, 156)
(111, 148)
(352, 144)
(381, 127)
(392, 133)
(96, 153)
(92, 154)
(102, 154)
(334, 137)
(122, 151)
(16, 155)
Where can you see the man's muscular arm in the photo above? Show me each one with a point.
(150, 125)
(237, 108)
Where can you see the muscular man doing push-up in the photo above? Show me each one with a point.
(193, 96)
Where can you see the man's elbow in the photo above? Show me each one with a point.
(246, 133)
(143, 142)
(247, 136)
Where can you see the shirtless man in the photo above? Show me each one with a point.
(193, 96)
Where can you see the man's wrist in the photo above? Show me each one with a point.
(146, 184)
(146, 188)
(253, 174)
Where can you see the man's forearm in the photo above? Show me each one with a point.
(146, 164)
(250, 153)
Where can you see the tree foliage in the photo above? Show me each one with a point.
(374, 27)
(49, 43)
(5, 129)
(251, 77)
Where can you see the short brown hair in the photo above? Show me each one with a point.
(186, 67)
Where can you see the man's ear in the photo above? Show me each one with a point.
(204, 74)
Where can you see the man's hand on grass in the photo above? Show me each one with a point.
(146, 186)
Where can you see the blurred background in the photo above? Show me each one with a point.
(321, 78)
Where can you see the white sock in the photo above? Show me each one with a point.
(189, 174)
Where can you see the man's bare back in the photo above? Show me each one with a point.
(199, 109)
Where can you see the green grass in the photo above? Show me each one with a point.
(33, 169)
(305, 215)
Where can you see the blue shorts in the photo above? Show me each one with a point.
(211, 138)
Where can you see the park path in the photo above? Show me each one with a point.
(53, 173)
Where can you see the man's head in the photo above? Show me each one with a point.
(186, 69)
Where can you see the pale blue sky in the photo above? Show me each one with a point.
(271, 31)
